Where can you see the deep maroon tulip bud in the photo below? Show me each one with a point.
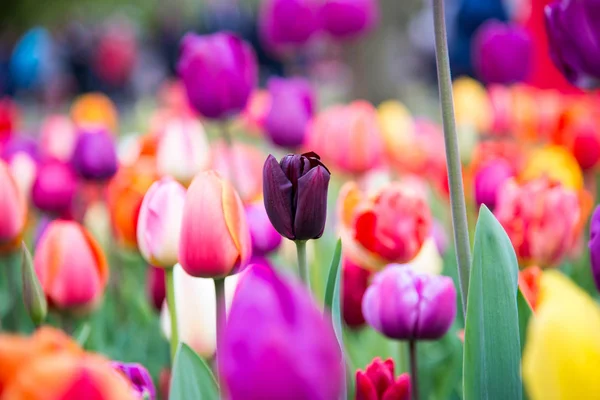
(140, 379)
(265, 238)
(574, 40)
(293, 105)
(219, 72)
(295, 194)
(354, 285)
(377, 382)
(95, 156)
(156, 286)
(54, 187)
(489, 180)
(502, 53)
(424, 305)
(349, 18)
(594, 246)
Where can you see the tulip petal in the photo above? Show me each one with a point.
(364, 388)
(311, 208)
(235, 219)
(278, 197)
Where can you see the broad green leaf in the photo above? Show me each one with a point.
(492, 353)
(192, 378)
(333, 278)
(82, 334)
(525, 314)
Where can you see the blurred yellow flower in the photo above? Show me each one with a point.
(471, 104)
(562, 353)
(556, 163)
(95, 109)
(396, 125)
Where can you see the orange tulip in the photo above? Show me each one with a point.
(95, 109)
(71, 267)
(13, 213)
(529, 283)
(215, 238)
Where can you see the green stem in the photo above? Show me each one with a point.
(402, 357)
(172, 311)
(457, 196)
(302, 263)
(412, 345)
(221, 309)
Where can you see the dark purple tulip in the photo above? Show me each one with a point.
(95, 156)
(594, 246)
(219, 72)
(295, 194)
(502, 53)
(139, 377)
(489, 180)
(265, 238)
(349, 18)
(54, 187)
(574, 37)
(292, 348)
(403, 304)
(288, 22)
(293, 105)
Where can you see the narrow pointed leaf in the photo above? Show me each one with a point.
(192, 379)
(33, 295)
(492, 352)
(333, 277)
(82, 334)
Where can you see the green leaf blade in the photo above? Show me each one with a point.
(192, 379)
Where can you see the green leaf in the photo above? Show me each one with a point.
(492, 353)
(525, 314)
(333, 278)
(82, 334)
(192, 378)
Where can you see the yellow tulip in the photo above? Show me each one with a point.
(562, 354)
(555, 162)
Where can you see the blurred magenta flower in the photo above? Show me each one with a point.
(287, 22)
(355, 281)
(292, 107)
(215, 239)
(440, 237)
(219, 72)
(348, 137)
(349, 18)
(159, 222)
(265, 239)
(594, 246)
(295, 193)
(156, 286)
(139, 378)
(574, 39)
(378, 382)
(95, 155)
(502, 53)
(292, 349)
(405, 305)
(13, 215)
(489, 179)
(54, 187)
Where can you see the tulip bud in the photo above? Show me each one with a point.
(489, 180)
(95, 110)
(71, 267)
(139, 377)
(287, 22)
(33, 295)
(345, 19)
(424, 306)
(95, 155)
(288, 330)
(377, 382)
(159, 222)
(58, 137)
(355, 281)
(215, 239)
(295, 193)
(594, 246)
(156, 286)
(219, 72)
(13, 213)
(265, 238)
(54, 187)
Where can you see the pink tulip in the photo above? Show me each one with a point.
(159, 222)
(58, 137)
(215, 239)
(13, 210)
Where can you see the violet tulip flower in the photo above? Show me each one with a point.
(405, 305)
(219, 72)
(292, 348)
(594, 246)
(295, 194)
(265, 239)
(95, 156)
(54, 187)
(287, 22)
(293, 105)
(349, 18)
(139, 377)
(574, 39)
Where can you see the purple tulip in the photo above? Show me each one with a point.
(292, 348)
(265, 238)
(293, 106)
(403, 304)
(95, 156)
(594, 246)
(489, 180)
(502, 53)
(219, 72)
(139, 377)
(20, 144)
(349, 18)
(574, 39)
(54, 187)
(295, 194)
(288, 22)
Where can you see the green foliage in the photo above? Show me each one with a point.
(192, 379)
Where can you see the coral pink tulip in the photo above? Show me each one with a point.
(215, 239)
